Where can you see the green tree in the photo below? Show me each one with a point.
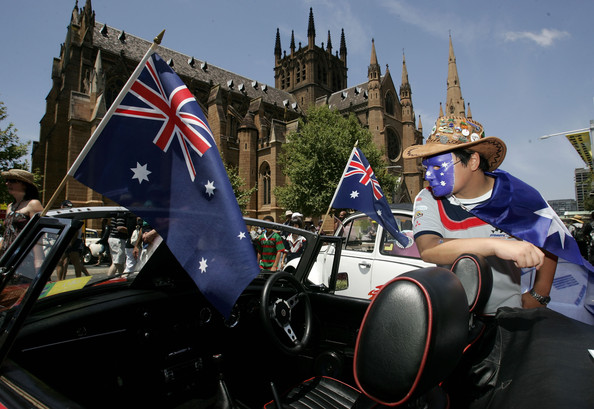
(12, 151)
(315, 156)
(237, 183)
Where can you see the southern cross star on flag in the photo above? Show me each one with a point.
(518, 209)
(359, 189)
(155, 155)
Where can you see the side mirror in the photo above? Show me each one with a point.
(342, 281)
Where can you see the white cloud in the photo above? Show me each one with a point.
(545, 38)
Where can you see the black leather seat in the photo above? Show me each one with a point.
(411, 338)
(476, 277)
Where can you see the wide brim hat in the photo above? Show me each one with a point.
(21, 175)
(453, 132)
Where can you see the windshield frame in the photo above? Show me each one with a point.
(15, 256)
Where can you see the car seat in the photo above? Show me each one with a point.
(411, 338)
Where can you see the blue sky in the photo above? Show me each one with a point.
(525, 66)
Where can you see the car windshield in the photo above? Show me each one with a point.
(114, 246)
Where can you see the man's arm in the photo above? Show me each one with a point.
(543, 282)
(434, 249)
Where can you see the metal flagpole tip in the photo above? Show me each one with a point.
(159, 37)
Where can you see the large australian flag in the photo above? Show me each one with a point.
(518, 209)
(359, 189)
(155, 155)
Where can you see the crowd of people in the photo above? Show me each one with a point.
(127, 239)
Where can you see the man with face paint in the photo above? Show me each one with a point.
(458, 159)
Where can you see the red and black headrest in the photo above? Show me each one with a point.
(412, 336)
(475, 274)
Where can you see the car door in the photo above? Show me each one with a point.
(357, 258)
(390, 259)
(371, 256)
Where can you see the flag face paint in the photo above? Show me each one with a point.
(440, 173)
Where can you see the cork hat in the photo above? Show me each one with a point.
(19, 174)
(454, 132)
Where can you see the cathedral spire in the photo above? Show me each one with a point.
(404, 72)
(373, 60)
(311, 29)
(292, 42)
(75, 17)
(343, 49)
(374, 71)
(277, 46)
(454, 100)
(329, 44)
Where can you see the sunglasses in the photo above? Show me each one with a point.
(12, 180)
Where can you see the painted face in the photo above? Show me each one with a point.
(440, 173)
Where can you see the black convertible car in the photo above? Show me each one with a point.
(150, 339)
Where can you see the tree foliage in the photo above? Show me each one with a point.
(12, 151)
(315, 157)
(237, 183)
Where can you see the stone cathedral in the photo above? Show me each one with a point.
(249, 119)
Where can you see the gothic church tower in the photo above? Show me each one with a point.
(310, 72)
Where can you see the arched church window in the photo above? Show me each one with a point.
(266, 183)
(390, 103)
(394, 145)
(112, 89)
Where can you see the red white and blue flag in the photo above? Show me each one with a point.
(154, 153)
(519, 210)
(359, 189)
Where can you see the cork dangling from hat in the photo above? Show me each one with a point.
(455, 132)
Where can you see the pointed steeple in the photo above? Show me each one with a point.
(469, 114)
(374, 72)
(420, 126)
(373, 60)
(88, 9)
(405, 92)
(454, 100)
(75, 17)
(404, 70)
(311, 29)
(329, 44)
(440, 110)
(292, 42)
(343, 49)
(277, 47)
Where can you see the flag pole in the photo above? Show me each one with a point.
(156, 42)
(339, 183)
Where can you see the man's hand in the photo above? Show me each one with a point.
(522, 253)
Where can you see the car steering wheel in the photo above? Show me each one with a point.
(277, 315)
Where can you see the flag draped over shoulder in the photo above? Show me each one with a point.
(519, 210)
(156, 156)
(359, 189)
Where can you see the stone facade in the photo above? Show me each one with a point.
(249, 120)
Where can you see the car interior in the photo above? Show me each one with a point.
(153, 340)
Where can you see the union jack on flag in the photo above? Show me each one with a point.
(359, 189)
(356, 167)
(168, 108)
(140, 156)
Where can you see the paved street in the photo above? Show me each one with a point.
(95, 271)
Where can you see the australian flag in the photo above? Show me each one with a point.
(156, 156)
(359, 189)
(519, 210)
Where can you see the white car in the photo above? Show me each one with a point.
(370, 256)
